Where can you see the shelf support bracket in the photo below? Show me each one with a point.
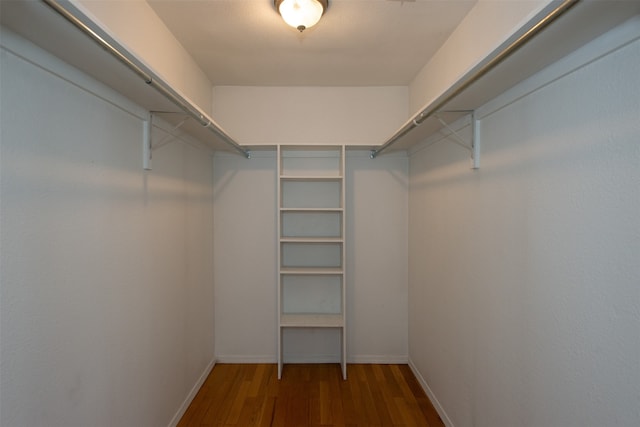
(171, 136)
(456, 137)
(474, 147)
(146, 144)
(475, 141)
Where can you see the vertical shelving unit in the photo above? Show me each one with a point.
(311, 249)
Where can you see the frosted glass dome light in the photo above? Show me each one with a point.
(301, 14)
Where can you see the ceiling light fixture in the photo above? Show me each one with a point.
(301, 14)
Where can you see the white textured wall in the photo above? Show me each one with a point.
(310, 115)
(106, 274)
(377, 258)
(245, 261)
(524, 296)
(245, 257)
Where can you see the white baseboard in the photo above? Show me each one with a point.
(436, 404)
(185, 405)
(311, 358)
(378, 359)
(329, 358)
(234, 358)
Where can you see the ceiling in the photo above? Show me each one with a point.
(356, 43)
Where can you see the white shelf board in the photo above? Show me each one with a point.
(311, 239)
(303, 150)
(308, 178)
(38, 23)
(311, 320)
(311, 210)
(314, 271)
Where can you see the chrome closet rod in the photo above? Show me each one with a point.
(157, 84)
(476, 73)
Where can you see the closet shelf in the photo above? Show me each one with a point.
(286, 239)
(557, 30)
(311, 320)
(310, 210)
(310, 178)
(311, 244)
(311, 271)
(53, 25)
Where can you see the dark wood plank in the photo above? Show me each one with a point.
(311, 395)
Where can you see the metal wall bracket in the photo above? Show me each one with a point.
(171, 136)
(475, 142)
(147, 142)
(474, 146)
(148, 145)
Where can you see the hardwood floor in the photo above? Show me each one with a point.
(311, 395)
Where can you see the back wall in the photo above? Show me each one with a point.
(245, 260)
(310, 115)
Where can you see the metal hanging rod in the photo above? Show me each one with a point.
(148, 78)
(476, 73)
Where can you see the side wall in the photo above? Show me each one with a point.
(245, 261)
(524, 304)
(106, 274)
